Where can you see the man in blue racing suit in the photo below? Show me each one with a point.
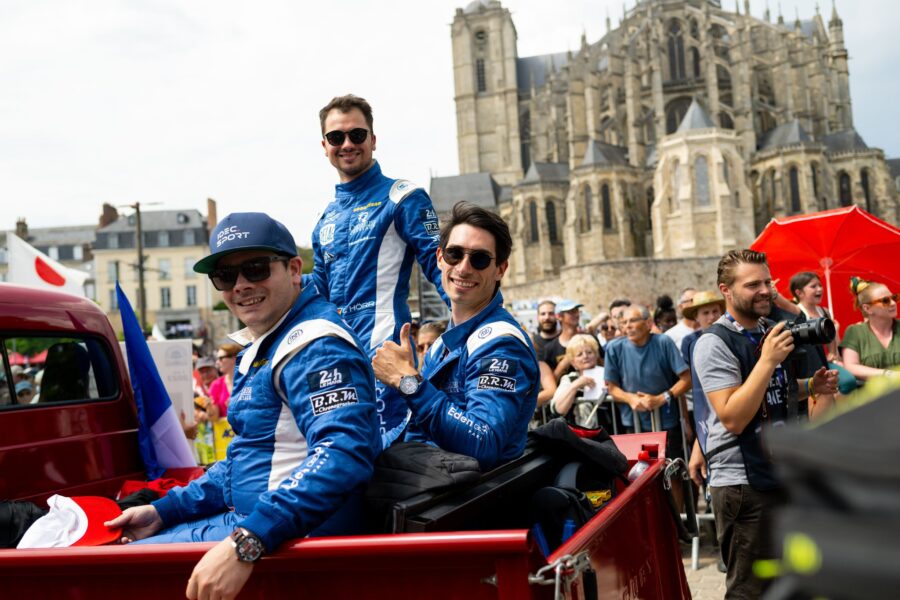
(302, 408)
(366, 240)
(479, 384)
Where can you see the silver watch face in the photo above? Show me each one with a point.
(409, 384)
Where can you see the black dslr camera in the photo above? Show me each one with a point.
(812, 333)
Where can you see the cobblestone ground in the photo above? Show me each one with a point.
(706, 582)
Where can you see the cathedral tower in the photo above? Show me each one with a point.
(487, 112)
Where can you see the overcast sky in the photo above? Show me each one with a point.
(175, 101)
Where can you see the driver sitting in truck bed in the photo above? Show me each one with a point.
(480, 379)
(302, 409)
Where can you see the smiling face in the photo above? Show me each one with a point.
(547, 318)
(469, 289)
(585, 358)
(707, 315)
(750, 296)
(351, 160)
(261, 304)
(877, 310)
(811, 293)
(570, 319)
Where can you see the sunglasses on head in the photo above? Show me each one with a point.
(337, 137)
(253, 270)
(479, 259)
(887, 300)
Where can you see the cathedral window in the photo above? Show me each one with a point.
(650, 198)
(864, 183)
(695, 59)
(480, 77)
(676, 52)
(586, 220)
(795, 189)
(675, 112)
(725, 121)
(550, 208)
(701, 180)
(695, 29)
(607, 207)
(844, 189)
(815, 183)
(533, 221)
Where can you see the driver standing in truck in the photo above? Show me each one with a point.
(302, 409)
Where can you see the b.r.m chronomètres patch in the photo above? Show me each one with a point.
(333, 399)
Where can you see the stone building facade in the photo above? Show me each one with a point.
(676, 136)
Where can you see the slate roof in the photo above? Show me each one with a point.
(534, 69)
(547, 173)
(478, 188)
(158, 220)
(601, 153)
(787, 134)
(695, 118)
(844, 141)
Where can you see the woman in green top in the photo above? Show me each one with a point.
(872, 348)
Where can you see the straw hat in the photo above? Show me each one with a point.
(702, 299)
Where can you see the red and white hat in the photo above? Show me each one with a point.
(75, 521)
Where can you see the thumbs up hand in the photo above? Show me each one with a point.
(393, 361)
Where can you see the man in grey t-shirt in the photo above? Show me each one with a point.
(740, 402)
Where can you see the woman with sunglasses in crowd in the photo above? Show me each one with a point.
(220, 389)
(872, 348)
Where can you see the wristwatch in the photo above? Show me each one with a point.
(409, 384)
(668, 396)
(247, 545)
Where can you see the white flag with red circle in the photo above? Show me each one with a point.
(29, 266)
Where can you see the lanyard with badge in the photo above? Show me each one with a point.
(779, 375)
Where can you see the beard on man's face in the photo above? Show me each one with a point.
(759, 305)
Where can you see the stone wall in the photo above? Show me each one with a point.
(640, 279)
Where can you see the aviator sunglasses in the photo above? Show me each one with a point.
(887, 300)
(357, 136)
(253, 270)
(479, 259)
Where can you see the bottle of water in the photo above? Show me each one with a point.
(640, 466)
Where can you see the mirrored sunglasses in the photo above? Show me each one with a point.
(337, 137)
(479, 259)
(253, 270)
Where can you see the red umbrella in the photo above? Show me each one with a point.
(836, 244)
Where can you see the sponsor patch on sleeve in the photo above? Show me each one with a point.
(323, 378)
(497, 382)
(430, 221)
(329, 401)
(498, 366)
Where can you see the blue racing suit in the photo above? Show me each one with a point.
(364, 246)
(303, 411)
(480, 388)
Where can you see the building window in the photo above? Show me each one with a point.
(650, 199)
(794, 176)
(676, 52)
(191, 295)
(550, 209)
(163, 239)
(695, 58)
(607, 207)
(112, 271)
(675, 112)
(113, 239)
(480, 76)
(864, 184)
(844, 189)
(588, 198)
(165, 268)
(701, 177)
(65, 252)
(189, 237)
(815, 182)
(189, 272)
(53, 252)
(725, 121)
(78, 252)
(533, 221)
(113, 300)
(165, 297)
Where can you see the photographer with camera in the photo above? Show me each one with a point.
(742, 364)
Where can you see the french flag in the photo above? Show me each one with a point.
(162, 441)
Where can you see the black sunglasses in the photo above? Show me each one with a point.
(253, 270)
(479, 259)
(357, 136)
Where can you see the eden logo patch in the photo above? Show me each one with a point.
(496, 382)
(498, 366)
(324, 378)
(329, 401)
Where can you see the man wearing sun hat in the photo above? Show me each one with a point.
(302, 409)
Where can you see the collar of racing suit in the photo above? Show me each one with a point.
(457, 335)
(360, 184)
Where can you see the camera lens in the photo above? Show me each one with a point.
(817, 331)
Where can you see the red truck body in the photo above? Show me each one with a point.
(629, 548)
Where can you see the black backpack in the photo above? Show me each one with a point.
(561, 509)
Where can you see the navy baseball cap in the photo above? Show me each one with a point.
(246, 231)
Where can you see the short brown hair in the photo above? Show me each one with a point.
(345, 104)
(728, 264)
(466, 213)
